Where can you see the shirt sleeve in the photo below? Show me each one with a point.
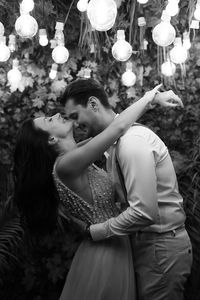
(137, 163)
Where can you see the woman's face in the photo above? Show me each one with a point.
(56, 125)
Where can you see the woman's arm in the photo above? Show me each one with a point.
(74, 162)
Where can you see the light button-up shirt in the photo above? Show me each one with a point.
(151, 185)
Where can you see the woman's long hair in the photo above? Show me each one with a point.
(35, 191)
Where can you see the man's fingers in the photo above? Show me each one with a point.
(157, 87)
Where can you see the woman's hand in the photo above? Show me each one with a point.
(167, 99)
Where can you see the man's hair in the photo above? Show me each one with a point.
(81, 90)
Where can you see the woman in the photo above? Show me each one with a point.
(46, 147)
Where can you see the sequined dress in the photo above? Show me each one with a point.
(100, 270)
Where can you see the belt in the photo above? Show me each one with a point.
(142, 235)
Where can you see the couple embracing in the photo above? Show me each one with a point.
(139, 252)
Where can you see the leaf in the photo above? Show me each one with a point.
(58, 86)
(38, 102)
(131, 92)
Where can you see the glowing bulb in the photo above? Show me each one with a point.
(172, 8)
(186, 40)
(142, 1)
(164, 33)
(27, 6)
(43, 40)
(26, 26)
(197, 13)
(2, 30)
(102, 14)
(168, 68)
(60, 54)
(178, 54)
(121, 50)
(12, 42)
(82, 5)
(53, 72)
(4, 50)
(87, 73)
(128, 78)
(14, 75)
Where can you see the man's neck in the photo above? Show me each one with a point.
(107, 118)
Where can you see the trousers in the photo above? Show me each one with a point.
(162, 264)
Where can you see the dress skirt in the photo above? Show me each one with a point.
(101, 271)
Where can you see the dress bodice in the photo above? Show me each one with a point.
(103, 206)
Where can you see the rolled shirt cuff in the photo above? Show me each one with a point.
(99, 231)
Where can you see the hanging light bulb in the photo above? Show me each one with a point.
(142, 1)
(128, 77)
(2, 30)
(82, 5)
(178, 54)
(197, 11)
(168, 68)
(12, 42)
(53, 72)
(121, 50)
(27, 6)
(194, 24)
(59, 35)
(87, 73)
(172, 8)
(26, 26)
(164, 33)
(186, 40)
(43, 40)
(4, 50)
(102, 14)
(14, 75)
(60, 54)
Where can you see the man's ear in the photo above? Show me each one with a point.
(52, 140)
(93, 103)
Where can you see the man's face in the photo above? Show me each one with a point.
(84, 117)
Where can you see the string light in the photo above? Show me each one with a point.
(43, 40)
(178, 54)
(53, 72)
(26, 26)
(197, 11)
(186, 40)
(172, 8)
(27, 6)
(121, 50)
(168, 68)
(102, 14)
(82, 5)
(4, 50)
(2, 30)
(128, 77)
(60, 54)
(164, 33)
(142, 1)
(12, 42)
(14, 75)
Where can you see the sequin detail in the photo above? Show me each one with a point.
(103, 206)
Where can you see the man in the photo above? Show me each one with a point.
(141, 168)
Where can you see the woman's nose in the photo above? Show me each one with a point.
(57, 116)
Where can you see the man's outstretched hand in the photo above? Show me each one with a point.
(167, 99)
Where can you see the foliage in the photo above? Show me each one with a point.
(43, 265)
